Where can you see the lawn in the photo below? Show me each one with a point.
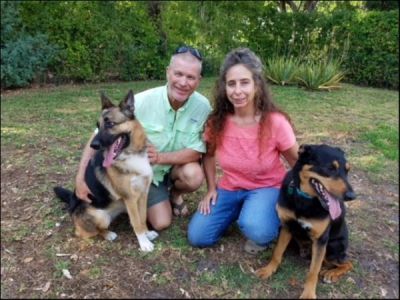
(43, 132)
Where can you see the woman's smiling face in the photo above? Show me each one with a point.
(240, 86)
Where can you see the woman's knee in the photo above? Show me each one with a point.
(199, 241)
(261, 234)
(198, 238)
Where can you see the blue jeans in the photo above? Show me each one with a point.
(254, 211)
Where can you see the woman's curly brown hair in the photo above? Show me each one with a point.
(223, 107)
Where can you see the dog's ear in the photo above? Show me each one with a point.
(305, 150)
(127, 105)
(340, 150)
(105, 101)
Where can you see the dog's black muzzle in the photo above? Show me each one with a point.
(95, 144)
(102, 140)
(350, 194)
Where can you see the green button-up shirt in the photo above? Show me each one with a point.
(169, 130)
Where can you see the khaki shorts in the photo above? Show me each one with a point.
(160, 193)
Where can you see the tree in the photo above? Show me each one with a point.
(297, 6)
(155, 9)
(381, 5)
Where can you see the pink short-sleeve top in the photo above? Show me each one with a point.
(238, 154)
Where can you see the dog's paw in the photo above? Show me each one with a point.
(308, 294)
(265, 273)
(147, 246)
(144, 242)
(151, 235)
(329, 276)
(110, 236)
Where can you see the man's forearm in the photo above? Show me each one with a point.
(180, 157)
(87, 154)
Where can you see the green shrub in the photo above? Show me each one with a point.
(100, 40)
(23, 56)
(373, 57)
(281, 70)
(321, 75)
(24, 59)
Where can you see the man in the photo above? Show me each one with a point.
(173, 117)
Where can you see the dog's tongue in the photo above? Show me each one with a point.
(110, 154)
(334, 207)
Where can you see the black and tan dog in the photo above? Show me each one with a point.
(312, 211)
(119, 176)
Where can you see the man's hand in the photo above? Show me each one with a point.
(153, 155)
(82, 191)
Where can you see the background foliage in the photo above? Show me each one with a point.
(23, 55)
(131, 40)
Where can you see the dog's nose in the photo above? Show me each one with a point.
(350, 195)
(95, 144)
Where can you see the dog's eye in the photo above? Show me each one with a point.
(109, 124)
(332, 168)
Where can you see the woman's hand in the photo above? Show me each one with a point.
(204, 205)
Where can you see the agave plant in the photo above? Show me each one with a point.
(281, 70)
(323, 75)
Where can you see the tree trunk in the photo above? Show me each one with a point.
(154, 8)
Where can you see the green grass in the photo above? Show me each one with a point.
(61, 119)
(45, 131)
(384, 138)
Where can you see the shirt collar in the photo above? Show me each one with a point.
(168, 105)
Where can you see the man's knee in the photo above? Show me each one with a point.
(191, 175)
(160, 224)
(159, 216)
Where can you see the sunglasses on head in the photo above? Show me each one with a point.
(193, 51)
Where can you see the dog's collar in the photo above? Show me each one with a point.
(295, 190)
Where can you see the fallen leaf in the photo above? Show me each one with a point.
(74, 257)
(293, 282)
(66, 273)
(46, 286)
(351, 280)
(28, 260)
(185, 293)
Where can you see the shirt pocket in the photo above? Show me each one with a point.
(156, 135)
(186, 136)
(182, 138)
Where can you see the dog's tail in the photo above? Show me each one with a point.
(68, 197)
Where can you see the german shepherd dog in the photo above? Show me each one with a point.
(119, 176)
(312, 211)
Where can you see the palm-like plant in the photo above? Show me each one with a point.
(323, 75)
(282, 70)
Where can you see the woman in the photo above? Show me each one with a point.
(246, 134)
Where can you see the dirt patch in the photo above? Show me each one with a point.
(37, 243)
